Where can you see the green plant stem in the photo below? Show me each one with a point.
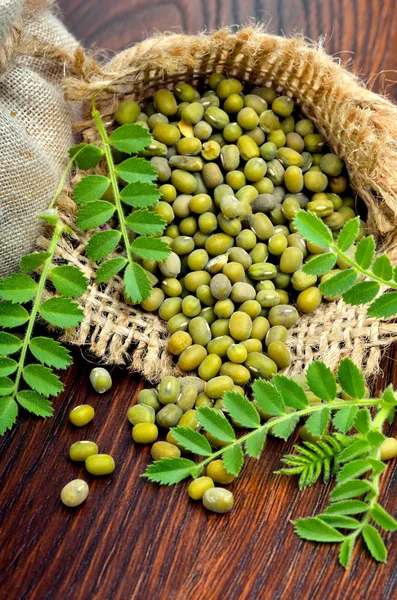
(59, 228)
(356, 267)
(113, 178)
(299, 413)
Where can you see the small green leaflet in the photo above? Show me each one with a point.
(291, 393)
(346, 551)
(344, 419)
(135, 170)
(61, 312)
(363, 420)
(31, 262)
(351, 379)
(317, 422)
(137, 283)
(389, 396)
(284, 429)
(35, 403)
(9, 343)
(354, 470)
(255, 443)
(321, 380)
(348, 234)
(94, 214)
(362, 292)
(192, 440)
(7, 366)
(321, 264)
(90, 188)
(6, 386)
(50, 352)
(87, 156)
(8, 413)
(150, 248)
(42, 379)
(233, 459)
(145, 222)
(383, 307)
(365, 252)
(140, 195)
(268, 398)
(383, 519)
(313, 229)
(340, 521)
(356, 449)
(109, 269)
(351, 489)
(168, 471)
(69, 281)
(12, 315)
(18, 288)
(241, 409)
(375, 438)
(215, 424)
(395, 274)
(374, 543)
(347, 507)
(315, 530)
(49, 216)
(382, 267)
(102, 244)
(130, 138)
(338, 284)
(377, 466)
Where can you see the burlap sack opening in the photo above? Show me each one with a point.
(358, 124)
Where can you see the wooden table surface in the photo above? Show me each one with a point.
(132, 539)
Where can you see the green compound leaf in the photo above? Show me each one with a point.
(134, 170)
(340, 521)
(109, 269)
(192, 440)
(31, 262)
(50, 352)
(9, 344)
(12, 315)
(90, 188)
(348, 234)
(35, 403)
(8, 413)
(233, 459)
(365, 252)
(315, 530)
(87, 156)
(69, 281)
(145, 222)
(130, 138)
(344, 419)
(7, 366)
(374, 543)
(354, 470)
(241, 409)
(140, 195)
(382, 518)
(168, 471)
(216, 425)
(346, 551)
(137, 283)
(338, 284)
(382, 267)
(150, 248)
(383, 307)
(350, 489)
(313, 229)
(321, 380)
(6, 386)
(94, 214)
(363, 420)
(284, 429)
(317, 422)
(292, 394)
(351, 379)
(102, 244)
(255, 443)
(61, 312)
(268, 398)
(347, 507)
(321, 264)
(42, 380)
(361, 293)
(355, 450)
(18, 288)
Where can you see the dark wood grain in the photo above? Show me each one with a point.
(132, 539)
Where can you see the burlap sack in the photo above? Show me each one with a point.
(359, 125)
(35, 123)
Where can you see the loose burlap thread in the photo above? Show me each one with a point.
(358, 124)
